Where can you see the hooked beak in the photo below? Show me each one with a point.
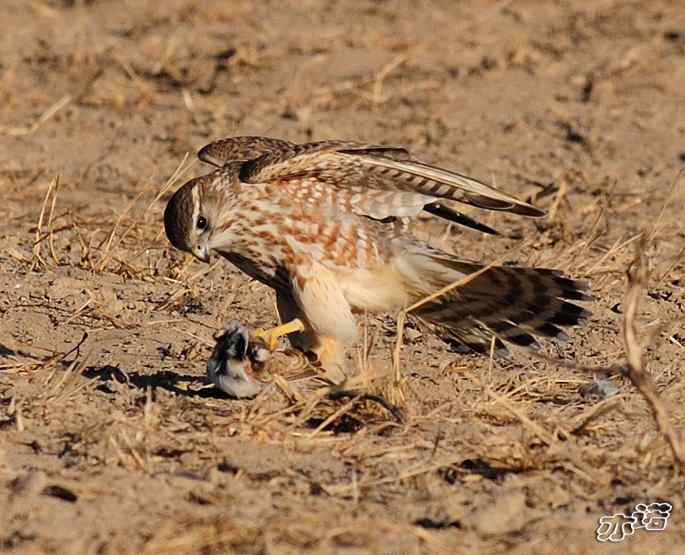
(201, 252)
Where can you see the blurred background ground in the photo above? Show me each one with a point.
(115, 447)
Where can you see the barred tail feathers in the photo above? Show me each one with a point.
(512, 304)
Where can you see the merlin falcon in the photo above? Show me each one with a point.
(327, 226)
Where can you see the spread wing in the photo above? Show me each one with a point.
(387, 180)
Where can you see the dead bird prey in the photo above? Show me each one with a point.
(242, 366)
(326, 226)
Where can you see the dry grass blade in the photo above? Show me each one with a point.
(45, 116)
(377, 96)
(677, 259)
(337, 414)
(610, 370)
(108, 246)
(558, 199)
(51, 246)
(637, 280)
(68, 385)
(173, 297)
(37, 258)
(182, 169)
(656, 227)
(357, 397)
(402, 317)
(581, 421)
(537, 430)
(612, 252)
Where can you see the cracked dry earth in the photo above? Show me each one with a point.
(109, 441)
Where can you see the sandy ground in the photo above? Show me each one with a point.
(110, 444)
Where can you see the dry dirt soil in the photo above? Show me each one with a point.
(110, 442)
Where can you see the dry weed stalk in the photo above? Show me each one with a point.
(47, 363)
(635, 368)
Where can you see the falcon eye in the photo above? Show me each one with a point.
(202, 222)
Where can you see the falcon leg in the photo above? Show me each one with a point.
(289, 311)
(271, 336)
(318, 300)
(330, 355)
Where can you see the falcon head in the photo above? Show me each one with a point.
(230, 366)
(192, 214)
(188, 222)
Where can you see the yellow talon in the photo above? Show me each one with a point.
(271, 336)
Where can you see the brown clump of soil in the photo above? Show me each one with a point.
(109, 443)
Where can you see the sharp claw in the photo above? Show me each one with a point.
(271, 336)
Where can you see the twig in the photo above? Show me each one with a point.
(635, 367)
(392, 409)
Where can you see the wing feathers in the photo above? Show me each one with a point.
(246, 148)
(454, 186)
(503, 304)
(447, 213)
(349, 165)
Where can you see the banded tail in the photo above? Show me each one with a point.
(512, 304)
